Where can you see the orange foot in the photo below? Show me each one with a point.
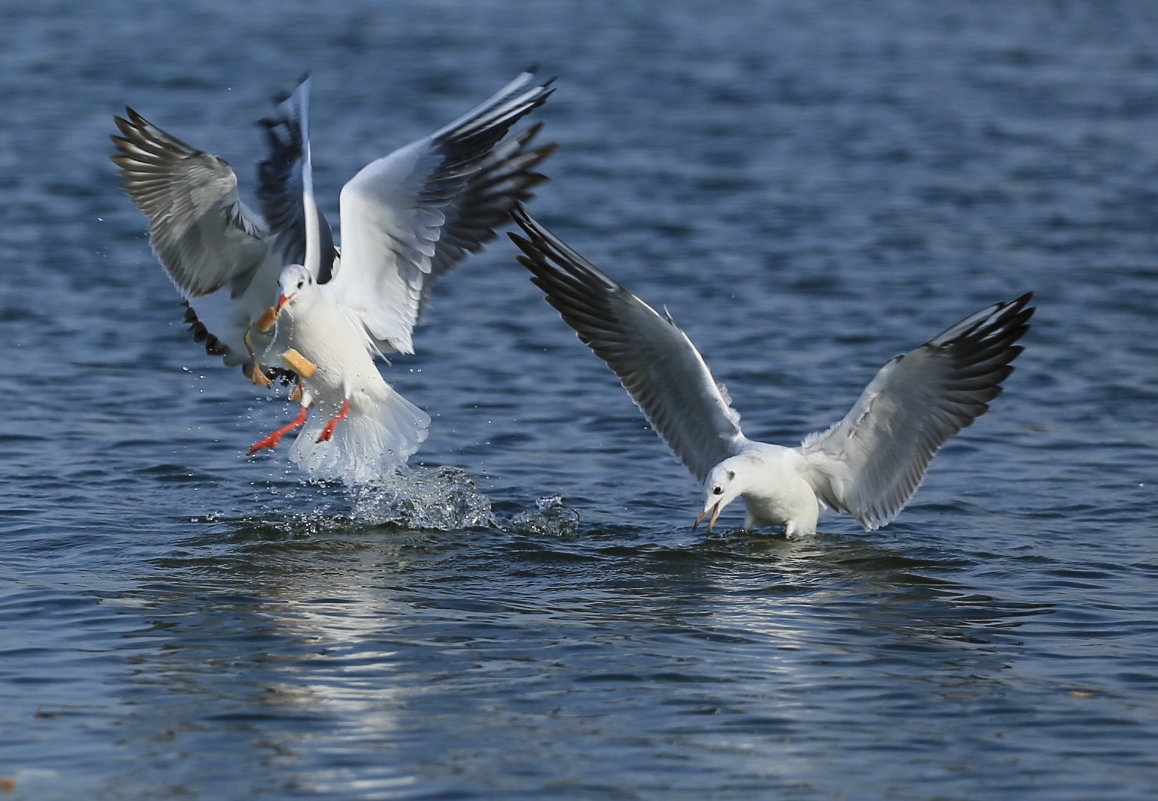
(257, 375)
(328, 431)
(273, 439)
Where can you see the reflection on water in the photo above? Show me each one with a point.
(366, 647)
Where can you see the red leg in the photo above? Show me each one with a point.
(328, 431)
(273, 439)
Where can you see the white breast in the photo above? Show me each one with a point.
(780, 493)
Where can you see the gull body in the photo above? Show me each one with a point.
(379, 427)
(868, 464)
(776, 483)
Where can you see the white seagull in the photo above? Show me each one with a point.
(223, 258)
(869, 464)
(406, 219)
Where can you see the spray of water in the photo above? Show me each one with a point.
(438, 498)
(550, 518)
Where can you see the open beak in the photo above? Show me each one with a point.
(714, 510)
(283, 300)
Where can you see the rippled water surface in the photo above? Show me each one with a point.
(809, 187)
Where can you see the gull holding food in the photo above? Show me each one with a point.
(868, 465)
(223, 258)
(406, 219)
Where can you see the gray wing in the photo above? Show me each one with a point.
(415, 213)
(198, 227)
(656, 362)
(872, 461)
(281, 185)
(505, 178)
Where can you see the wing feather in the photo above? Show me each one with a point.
(870, 463)
(282, 182)
(656, 362)
(198, 227)
(411, 216)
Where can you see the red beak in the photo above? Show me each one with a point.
(282, 300)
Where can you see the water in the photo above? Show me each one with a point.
(810, 187)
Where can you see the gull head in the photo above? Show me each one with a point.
(295, 282)
(720, 488)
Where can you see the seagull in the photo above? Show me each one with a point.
(222, 257)
(867, 465)
(406, 219)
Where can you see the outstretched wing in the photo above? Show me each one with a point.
(656, 362)
(871, 462)
(283, 182)
(504, 179)
(412, 215)
(198, 227)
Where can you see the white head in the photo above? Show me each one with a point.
(722, 486)
(294, 282)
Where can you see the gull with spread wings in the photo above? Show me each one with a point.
(222, 257)
(406, 219)
(868, 465)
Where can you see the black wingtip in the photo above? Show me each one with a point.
(519, 213)
(548, 84)
(1020, 309)
(284, 94)
(534, 242)
(518, 240)
(1022, 302)
(130, 122)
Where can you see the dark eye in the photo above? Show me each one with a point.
(301, 284)
(717, 490)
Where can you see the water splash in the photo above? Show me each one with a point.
(551, 517)
(442, 498)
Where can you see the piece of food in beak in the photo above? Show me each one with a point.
(299, 363)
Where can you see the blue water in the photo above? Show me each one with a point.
(809, 187)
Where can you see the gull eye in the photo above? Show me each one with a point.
(717, 490)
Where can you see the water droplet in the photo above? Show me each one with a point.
(551, 518)
(442, 498)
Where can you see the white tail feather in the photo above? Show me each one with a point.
(366, 445)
